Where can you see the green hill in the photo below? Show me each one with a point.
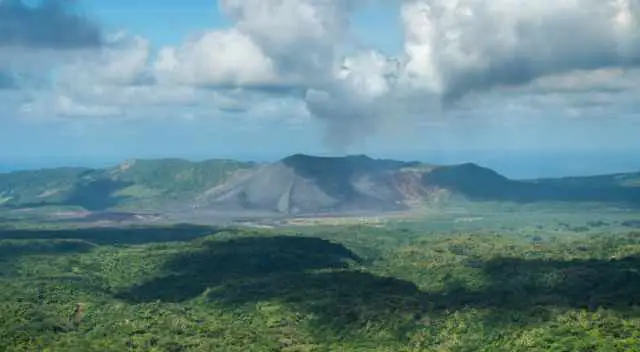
(48, 185)
(176, 175)
(135, 183)
(299, 184)
(478, 183)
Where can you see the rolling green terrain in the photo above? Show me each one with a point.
(472, 261)
(482, 282)
(299, 184)
(136, 184)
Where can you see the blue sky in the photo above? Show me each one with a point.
(265, 78)
(164, 22)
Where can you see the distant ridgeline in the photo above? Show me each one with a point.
(298, 184)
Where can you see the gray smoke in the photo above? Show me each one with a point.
(454, 48)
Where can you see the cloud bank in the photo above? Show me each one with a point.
(33, 38)
(456, 55)
(455, 47)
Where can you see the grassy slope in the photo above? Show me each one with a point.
(176, 175)
(320, 289)
(154, 182)
(626, 180)
(478, 183)
(34, 186)
(169, 183)
(145, 183)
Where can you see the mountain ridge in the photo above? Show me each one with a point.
(296, 184)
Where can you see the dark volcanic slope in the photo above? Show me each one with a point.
(306, 184)
(299, 184)
(303, 184)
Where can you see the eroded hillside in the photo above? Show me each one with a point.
(299, 184)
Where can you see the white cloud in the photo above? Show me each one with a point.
(65, 106)
(274, 43)
(123, 63)
(455, 47)
(292, 59)
(216, 58)
(301, 36)
(47, 105)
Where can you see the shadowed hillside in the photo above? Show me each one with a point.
(134, 184)
(113, 235)
(325, 280)
(478, 183)
(306, 184)
(298, 184)
(240, 260)
(266, 290)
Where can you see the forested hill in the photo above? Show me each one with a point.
(298, 184)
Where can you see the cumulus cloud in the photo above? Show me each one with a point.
(35, 38)
(124, 62)
(462, 47)
(285, 56)
(455, 47)
(301, 36)
(122, 80)
(214, 59)
(274, 43)
(296, 44)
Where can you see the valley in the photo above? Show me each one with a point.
(317, 254)
(510, 281)
(319, 176)
(220, 191)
